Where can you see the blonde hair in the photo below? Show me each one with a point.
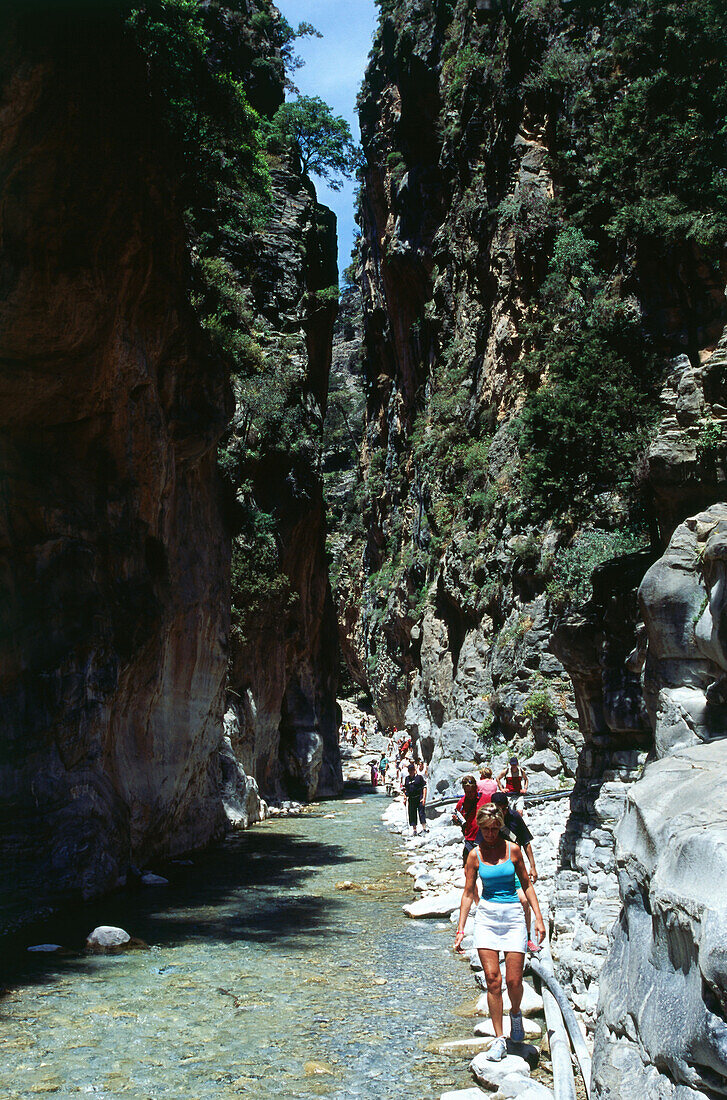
(486, 773)
(489, 813)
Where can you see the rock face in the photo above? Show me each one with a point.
(112, 545)
(661, 1029)
(466, 618)
(682, 597)
(116, 526)
(284, 661)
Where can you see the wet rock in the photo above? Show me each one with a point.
(150, 879)
(460, 1046)
(435, 905)
(45, 947)
(106, 936)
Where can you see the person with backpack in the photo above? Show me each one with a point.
(514, 782)
(415, 790)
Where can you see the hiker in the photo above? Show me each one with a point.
(497, 865)
(486, 785)
(374, 769)
(415, 790)
(465, 814)
(516, 829)
(514, 782)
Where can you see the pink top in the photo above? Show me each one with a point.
(486, 788)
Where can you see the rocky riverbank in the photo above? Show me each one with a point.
(434, 860)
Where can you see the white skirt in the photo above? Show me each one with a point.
(500, 927)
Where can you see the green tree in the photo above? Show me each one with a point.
(322, 139)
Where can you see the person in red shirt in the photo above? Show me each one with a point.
(465, 814)
(514, 782)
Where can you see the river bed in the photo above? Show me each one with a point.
(263, 978)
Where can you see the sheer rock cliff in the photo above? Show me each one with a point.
(117, 527)
(113, 546)
(491, 615)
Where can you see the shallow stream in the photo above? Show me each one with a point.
(263, 978)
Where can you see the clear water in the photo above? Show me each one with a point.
(262, 979)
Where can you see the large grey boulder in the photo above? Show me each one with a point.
(106, 937)
(664, 986)
(684, 604)
(240, 796)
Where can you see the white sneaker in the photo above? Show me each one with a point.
(498, 1050)
(517, 1031)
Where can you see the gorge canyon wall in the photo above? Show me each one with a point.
(546, 404)
(117, 526)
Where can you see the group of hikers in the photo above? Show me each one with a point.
(497, 843)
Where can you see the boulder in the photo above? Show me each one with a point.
(544, 761)
(434, 905)
(150, 879)
(107, 936)
(666, 974)
(519, 1088)
(491, 1074)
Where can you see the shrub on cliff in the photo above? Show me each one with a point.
(583, 428)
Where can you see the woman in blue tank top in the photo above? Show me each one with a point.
(496, 866)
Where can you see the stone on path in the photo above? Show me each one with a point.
(491, 1074)
(464, 1094)
(106, 935)
(49, 947)
(460, 1046)
(434, 905)
(532, 1029)
(516, 1087)
(150, 879)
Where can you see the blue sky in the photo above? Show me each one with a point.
(334, 67)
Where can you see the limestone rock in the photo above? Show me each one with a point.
(515, 1088)
(683, 601)
(666, 975)
(434, 905)
(544, 761)
(113, 541)
(106, 936)
(491, 1074)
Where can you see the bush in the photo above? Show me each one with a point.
(572, 567)
(539, 707)
(583, 429)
